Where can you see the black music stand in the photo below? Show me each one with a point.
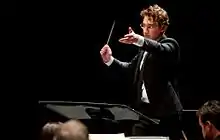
(101, 118)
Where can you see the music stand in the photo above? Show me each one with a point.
(99, 117)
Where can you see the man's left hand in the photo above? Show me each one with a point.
(130, 38)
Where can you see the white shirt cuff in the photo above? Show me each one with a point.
(140, 41)
(110, 61)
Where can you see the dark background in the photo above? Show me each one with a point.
(8, 8)
(66, 62)
(64, 39)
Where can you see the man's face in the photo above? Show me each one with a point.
(151, 29)
(206, 130)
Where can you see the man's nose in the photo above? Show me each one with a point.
(146, 32)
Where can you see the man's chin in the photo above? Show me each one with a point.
(147, 36)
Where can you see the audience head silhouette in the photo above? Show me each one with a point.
(72, 130)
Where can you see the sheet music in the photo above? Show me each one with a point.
(147, 138)
(119, 136)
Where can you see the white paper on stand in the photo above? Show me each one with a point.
(119, 136)
(147, 138)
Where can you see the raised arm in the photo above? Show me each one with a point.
(152, 46)
(122, 68)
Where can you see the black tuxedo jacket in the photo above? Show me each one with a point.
(158, 72)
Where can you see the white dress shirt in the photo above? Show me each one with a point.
(144, 97)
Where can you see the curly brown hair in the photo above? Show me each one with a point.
(158, 15)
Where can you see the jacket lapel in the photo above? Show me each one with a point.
(140, 58)
(138, 64)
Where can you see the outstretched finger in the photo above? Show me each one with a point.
(128, 35)
(130, 30)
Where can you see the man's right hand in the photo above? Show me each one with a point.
(106, 53)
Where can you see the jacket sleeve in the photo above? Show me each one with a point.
(167, 45)
(124, 65)
(124, 69)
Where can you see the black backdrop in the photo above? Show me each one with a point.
(67, 64)
(8, 8)
(63, 60)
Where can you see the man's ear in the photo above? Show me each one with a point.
(163, 28)
(208, 124)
